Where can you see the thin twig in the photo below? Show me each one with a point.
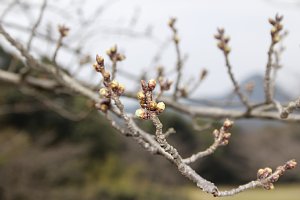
(267, 82)
(276, 65)
(37, 23)
(159, 144)
(8, 9)
(275, 38)
(221, 138)
(169, 132)
(223, 45)
(242, 97)
(56, 107)
(265, 179)
(68, 81)
(114, 68)
(58, 45)
(293, 105)
(179, 62)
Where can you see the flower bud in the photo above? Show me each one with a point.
(103, 107)
(274, 178)
(121, 89)
(140, 95)
(63, 30)
(291, 164)
(264, 173)
(280, 170)
(120, 57)
(183, 92)
(143, 103)
(113, 49)
(226, 136)
(221, 31)
(141, 113)
(224, 142)
(176, 39)
(97, 67)
(114, 85)
(218, 36)
(228, 123)
(279, 27)
(260, 172)
(216, 133)
(172, 22)
(221, 45)
(100, 60)
(269, 186)
(278, 18)
(226, 39)
(106, 75)
(268, 171)
(227, 49)
(104, 92)
(276, 38)
(152, 105)
(273, 30)
(151, 84)
(272, 21)
(160, 107)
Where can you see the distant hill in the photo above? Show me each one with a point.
(258, 94)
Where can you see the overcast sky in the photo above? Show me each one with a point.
(245, 21)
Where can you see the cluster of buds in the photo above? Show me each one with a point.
(111, 87)
(63, 30)
(183, 92)
(148, 105)
(165, 85)
(223, 41)
(99, 67)
(172, 26)
(223, 135)
(263, 174)
(277, 27)
(268, 177)
(114, 54)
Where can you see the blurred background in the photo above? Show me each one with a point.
(45, 154)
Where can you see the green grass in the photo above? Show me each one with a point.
(281, 192)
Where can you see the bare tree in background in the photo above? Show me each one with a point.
(38, 78)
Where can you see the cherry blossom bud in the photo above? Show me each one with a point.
(141, 113)
(114, 85)
(151, 84)
(140, 95)
(104, 92)
(160, 107)
(152, 105)
(121, 89)
(100, 60)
